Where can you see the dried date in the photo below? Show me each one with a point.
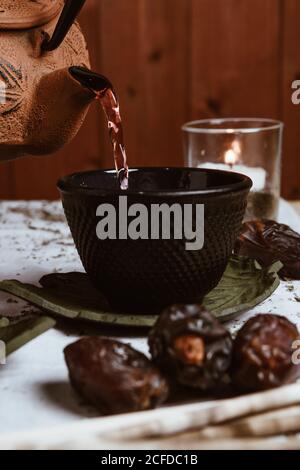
(268, 241)
(113, 376)
(262, 354)
(191, 346)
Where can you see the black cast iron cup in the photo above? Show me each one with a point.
(141, 275)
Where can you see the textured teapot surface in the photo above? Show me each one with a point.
(41, 107)
(20, 14)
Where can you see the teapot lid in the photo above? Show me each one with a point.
(22, 14)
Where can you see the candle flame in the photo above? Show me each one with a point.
(230, 157)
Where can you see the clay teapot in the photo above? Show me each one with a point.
(42, 103)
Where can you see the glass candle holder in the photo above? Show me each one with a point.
(244, 145)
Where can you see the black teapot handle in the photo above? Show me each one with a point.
(67, 18)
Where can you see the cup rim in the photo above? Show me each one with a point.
(66, 184)
(193, 126)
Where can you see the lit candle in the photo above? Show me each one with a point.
(231, 158)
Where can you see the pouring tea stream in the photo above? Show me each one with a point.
(106, 95)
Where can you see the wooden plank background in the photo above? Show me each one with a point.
(172, 61)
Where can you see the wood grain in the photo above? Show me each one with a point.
(235, 58)
(172, 61)
(7, 181)
(118, 42)
(144, 52)
(291, 112)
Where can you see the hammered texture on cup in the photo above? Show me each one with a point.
(142, 276)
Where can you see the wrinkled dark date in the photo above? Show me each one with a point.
(113, 376)
(191, 346)
(262, 354)
(267, 241)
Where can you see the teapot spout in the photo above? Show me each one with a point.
(91, 80)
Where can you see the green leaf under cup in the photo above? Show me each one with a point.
(243, 286)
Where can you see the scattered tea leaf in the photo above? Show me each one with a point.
(15, 336)
(14, 317)
(243, 286)
(4, 322)
(11, 301)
